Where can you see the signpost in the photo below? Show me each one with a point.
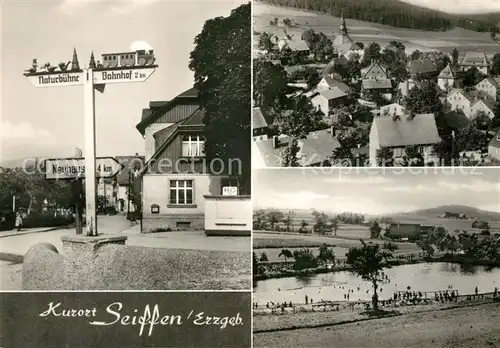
(94, 77)
(74, 168)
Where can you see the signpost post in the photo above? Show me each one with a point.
(92, 78)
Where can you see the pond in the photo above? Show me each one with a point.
(437, 276)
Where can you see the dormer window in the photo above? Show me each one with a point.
(193, 146)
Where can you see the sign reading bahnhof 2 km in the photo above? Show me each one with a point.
(125, 75)
(72, 168)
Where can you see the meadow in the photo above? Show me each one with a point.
(367, 32)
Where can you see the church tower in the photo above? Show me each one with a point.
(343, 29)
(74, 63)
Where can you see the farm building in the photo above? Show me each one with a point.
(404, 230)
(396, 133)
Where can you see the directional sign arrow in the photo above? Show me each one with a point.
(74, 168)
(56, 79)
(121, 75)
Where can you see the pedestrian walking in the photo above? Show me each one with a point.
(19, 221)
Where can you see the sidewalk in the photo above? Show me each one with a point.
(15, 232)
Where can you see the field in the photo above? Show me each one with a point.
(367, 32)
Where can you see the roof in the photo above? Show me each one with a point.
(129, 164)
(447, 73)
(420, 130)
(331, 82)
(332, 93)
(149, 117)
(297, 45)
(474, 58)
(317, 147)
(258, 119)
(495, 141)
(473, 95)
(494, 80)
(377, 84)
(374, 64)
(165, 136)
(489, 103)
(421, 66)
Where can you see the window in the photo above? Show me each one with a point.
(193, 146)
(181, 192)
(123, 56)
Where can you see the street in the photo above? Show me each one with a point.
(116, 224)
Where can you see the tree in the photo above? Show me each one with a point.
(102, 203)
(371, 53)
(303, 225)
(375, 230)
(326, 254)
(454, 57)
(368, 262)
(495, 67)
(424, 100)
(221, 64)
(334, 223)
(259, 219)
(286, 253)
(274, 217)
(320, 220)
(263, 257)
(399, 72)
(299, 121)
(256, 267)
(385, 157)
(416, 54)
(289, 154)
(265, 42)
(425, 244)
(413, 156)
(472, 77)
(304, 258)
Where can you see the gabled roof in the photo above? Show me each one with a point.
(495, 81)
(332, 93)
(297, 45)
(374, 64)
(421, 130)
(447, 73)
(474, 58)
(376, 84)
(150, 115)
(421, 66)
(331, 82)
(489, 103)
(258, 119)
(495, 141)
(195, 120)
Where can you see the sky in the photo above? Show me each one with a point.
(459, 6)
(49, 121)
(376, 191)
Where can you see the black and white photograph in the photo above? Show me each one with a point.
(155, 99)
(387, 257)
(376, 83)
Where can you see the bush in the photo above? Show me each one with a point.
(46, 220)
(161, 229)
(7, 220)
(485, 233)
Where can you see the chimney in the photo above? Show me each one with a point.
(275, 142)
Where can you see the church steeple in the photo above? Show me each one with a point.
(92, 61)
(343, 26)
(74, 63)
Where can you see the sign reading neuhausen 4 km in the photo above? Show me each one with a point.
(135, 66)
(73, 168)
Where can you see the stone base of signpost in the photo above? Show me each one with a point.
(79, 244)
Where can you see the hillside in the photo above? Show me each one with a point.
(436, 212)
(395, 13)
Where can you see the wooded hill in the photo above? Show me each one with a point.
(397, 14)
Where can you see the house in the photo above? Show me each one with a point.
(404, 230)
(317, 147)
(494, 147)
(396, 133)
(259, 125)
(326, 99)
(447, 78)
(384, 86)
(393, 109)
(176, 178)
(344, 44)
(375, 71)
(491, 86)
(471, 102)
(474, 59)
(296, 45)
(131, 166)
(422, 68)
(327, 82)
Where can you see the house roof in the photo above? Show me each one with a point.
(495, 141)
(488, 102)
(169, 133)
(494, 80)
(474, 58)
(420, 130)
(297, 45)
(376, 84)
(421, 66)
(129, 164)
(317, 147)
(447, 73)
(332, 93)
(331, 82)
(153, 114)
(258, 119)
(374, 64)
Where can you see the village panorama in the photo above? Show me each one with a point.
(387, 260)
(337, 91)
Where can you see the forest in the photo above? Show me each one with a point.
(397, 14)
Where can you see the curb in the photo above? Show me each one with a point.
(16, 233)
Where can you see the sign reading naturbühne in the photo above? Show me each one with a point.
(56, 80)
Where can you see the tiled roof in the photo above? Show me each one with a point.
(490, 103)
(366, 70)
(474, 58)
(420, 130)
(421, 66)
(377, 84)
(331, 82)
(332, 93)
(297, 45)
(258, 119)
